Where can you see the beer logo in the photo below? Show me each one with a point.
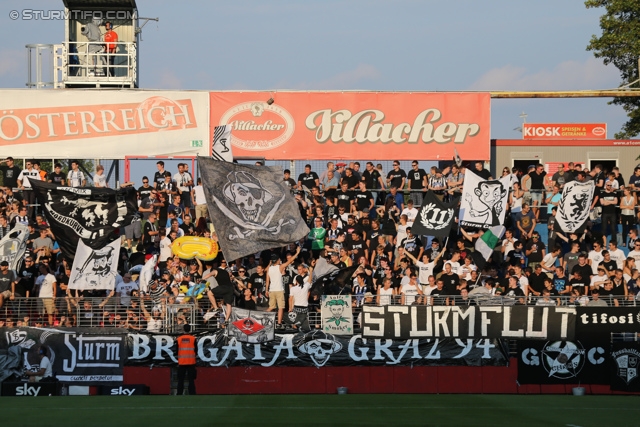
(258, 126)
(599, 131)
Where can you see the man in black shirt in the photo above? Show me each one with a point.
(158, 177)
(609, 265)
(536, 281)
(288, 181)
(450, 280)
(145, 190)
(417, 181)
(57, 176)
(583, 268)
(609, 201)
(364, 198)
(308, 179)
(396, 177)
(537, 188)
(344, 198)
(481, 171)
(26, 278)
(10, 173)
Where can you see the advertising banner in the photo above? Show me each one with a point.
(90, 124)
(82, 356)
(420, 321)
(564, 130)
(354, 125)
(562, 362)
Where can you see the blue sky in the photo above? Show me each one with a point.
(402, 45)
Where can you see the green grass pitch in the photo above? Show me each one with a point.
(332, 410)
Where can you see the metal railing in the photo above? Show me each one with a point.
(90, 62)
(169, 315)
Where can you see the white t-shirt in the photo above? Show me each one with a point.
(524, 283)
(424, 271)
(29, 175)
(635, 255)
(46, 285)
(75, 178)
(124, 290)
(618, 257)
(410, 293)
(165, 249)
(508, 246)
(199, 193)
(99, 180)
(549, 262)
(596, 258)
(46, 364)
(300, 294)
(411, 214)
(181, 180)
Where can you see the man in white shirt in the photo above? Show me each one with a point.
(200, 200)
(635, 252)
(595, 257)
(275, 286)
(616, 254)
(75, 177)
(45, 370)
(454, 262)
(508, 243)
(23, 183)
(410, 212)
(124, 288)
(47, 283)
(165, 245)
(184, 181)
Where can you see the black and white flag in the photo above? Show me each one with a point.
(435, 218)
(221, 145)
(484, 202)
(251, 326)
(573, 209)
(95, 268)
(87, 213)
(14, 245)
(250, 207)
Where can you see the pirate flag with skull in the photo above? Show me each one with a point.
(92, 215)
(250, 207)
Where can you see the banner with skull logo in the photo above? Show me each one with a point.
(14, 245)
(337, 316)
(95, 268)
(89, 214)
(435, 218)
(250, 207)
(573, 208)
(484, 202)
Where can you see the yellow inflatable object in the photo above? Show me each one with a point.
(189, 247)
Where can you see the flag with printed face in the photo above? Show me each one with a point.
(92, 215)
(485, 245)
(337, 317)
(250, 207)
(250, 326)
(221, 145)
(484, 202)
(574, 206)
(95, 269)
(435, 217)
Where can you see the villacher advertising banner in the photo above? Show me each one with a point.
(419, 321)
(82, 356)
(562, 362)
(352, 125)
(318, 348)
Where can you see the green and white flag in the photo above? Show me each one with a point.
(337, 317)
(486, 243)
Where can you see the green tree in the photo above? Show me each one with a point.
(619, 45)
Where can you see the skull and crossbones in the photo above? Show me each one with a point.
(248, 194)
(320, 346)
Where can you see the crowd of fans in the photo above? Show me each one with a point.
(360, 218)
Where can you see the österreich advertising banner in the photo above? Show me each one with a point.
(354, 125)
(86, 124)
(562, 362)
(419, 321)
(564, 131)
